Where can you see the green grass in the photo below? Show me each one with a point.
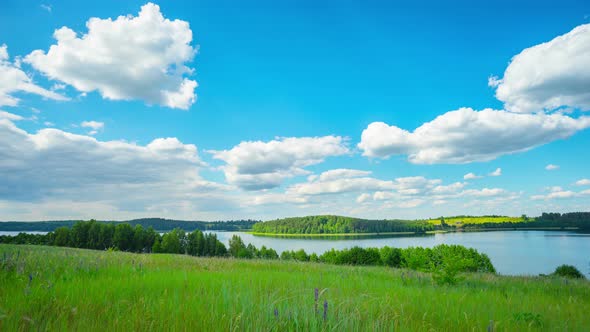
(74, 289)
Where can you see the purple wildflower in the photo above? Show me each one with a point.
(30, 278)
(316, 296)
(276, 313)
(325, 309)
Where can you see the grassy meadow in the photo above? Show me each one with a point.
(52, 288)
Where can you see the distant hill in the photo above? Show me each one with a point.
(329, 224)
(159, 224)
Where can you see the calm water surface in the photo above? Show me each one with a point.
(511, 252)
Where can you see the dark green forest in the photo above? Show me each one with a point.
(339, 225)
(159, 224)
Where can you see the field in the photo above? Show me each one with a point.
(454, 221)
(51, 288)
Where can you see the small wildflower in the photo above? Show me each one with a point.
(325, 309)
(316, 296)
(276, 313)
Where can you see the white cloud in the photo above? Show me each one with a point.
(583, 182)
(15, 80)
(264, 165)
(383, 195)
(549, 75)
(485, 192)
(448, 189)
(466, 135)
(46, 7)
(10, 116)
(471, 176)
(348, 181)
(94, 125)
(552, 167)
(363, 198)
(59, 166)
(141, 57)
(340, 173)
(411, 203)
(555, 195)
(554, 189)
(497, 172)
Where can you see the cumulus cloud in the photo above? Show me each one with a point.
(363, 198)
(471, 176)
(95, 126)
(56, 165)
(467, 135)
(347, 181)
(10, 116)
(141, 57)
(552, 167)
(583, 182)
(14, 80)
(555, 195)
(264, 165)
(549, 75)
(497, 172)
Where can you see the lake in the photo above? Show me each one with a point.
(511, 252)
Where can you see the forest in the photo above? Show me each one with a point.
(159, 224)
(329, 224)
(339, 225)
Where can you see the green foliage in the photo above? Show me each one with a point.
(529, 318)
(568, 271)
(448, 272)
(123, 237)
(338, 225)
(446, 260)
(391, 257)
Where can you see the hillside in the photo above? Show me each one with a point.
(49, 288)
(339, 225)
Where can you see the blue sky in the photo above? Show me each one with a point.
(103, 119)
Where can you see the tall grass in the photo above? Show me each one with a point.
(50, 288)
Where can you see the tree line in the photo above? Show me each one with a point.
(339, 225)
(100, 236)
(580, 220)
(124, 237)
(159, 224)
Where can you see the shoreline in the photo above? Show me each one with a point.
(393, 234)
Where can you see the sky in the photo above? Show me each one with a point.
(216, 110)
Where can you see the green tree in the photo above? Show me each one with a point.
(236, 245)
(123, 237)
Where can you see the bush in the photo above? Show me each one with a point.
(568, 271)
